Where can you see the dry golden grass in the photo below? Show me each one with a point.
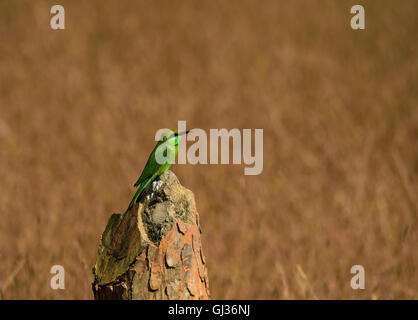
(79, 109)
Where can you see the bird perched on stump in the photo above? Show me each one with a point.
(159, 161)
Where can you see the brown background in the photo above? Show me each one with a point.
(79, 109)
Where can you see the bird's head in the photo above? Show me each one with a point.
(174, 137)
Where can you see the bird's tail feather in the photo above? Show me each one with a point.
(144, 184)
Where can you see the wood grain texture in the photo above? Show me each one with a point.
(154, 251)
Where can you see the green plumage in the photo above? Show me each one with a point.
(167, 148)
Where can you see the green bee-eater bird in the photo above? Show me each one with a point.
(159, 161)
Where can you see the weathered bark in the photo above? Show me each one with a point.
(154, 251)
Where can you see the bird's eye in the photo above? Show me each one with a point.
(165, 138)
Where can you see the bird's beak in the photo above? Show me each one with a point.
(182, 133)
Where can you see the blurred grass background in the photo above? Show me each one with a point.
(79, 109)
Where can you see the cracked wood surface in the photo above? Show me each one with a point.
(154, 251)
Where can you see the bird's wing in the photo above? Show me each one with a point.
(150, 168)
(142, 178)
(139, 191)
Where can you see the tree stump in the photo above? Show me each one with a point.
(154, 250)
